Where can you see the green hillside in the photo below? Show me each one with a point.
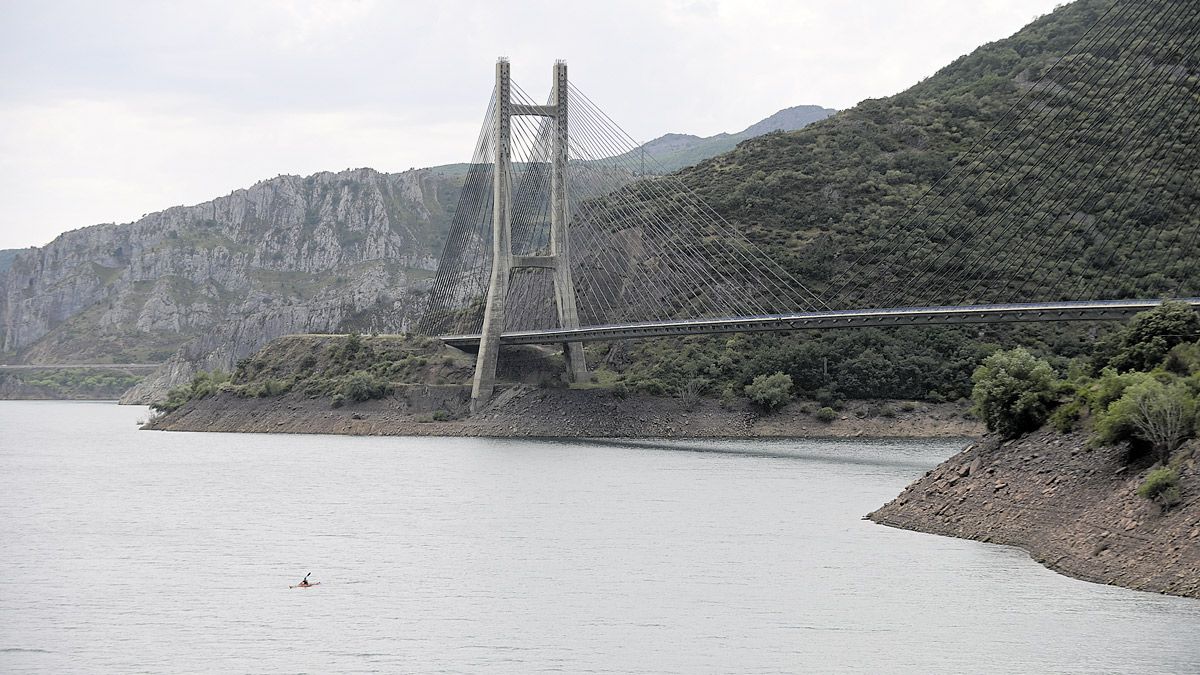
(827, 200)
(820, 197)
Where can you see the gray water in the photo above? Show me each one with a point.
(129, 551)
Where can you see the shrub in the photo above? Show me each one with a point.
(692, 391)
(1067, 416)
(619, 390)
(728, 397)
(204, 384)
(652, 386)
(338, 401)
(1162, 486)
(440, 415)
(827, 414)
(363, 386)
(908, 406)
(1013, 391)
(772, 392)
(1163, 415)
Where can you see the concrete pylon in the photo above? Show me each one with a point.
(564, 284)
(503, 261)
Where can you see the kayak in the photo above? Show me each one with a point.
(305, 585)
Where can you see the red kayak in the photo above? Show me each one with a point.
(305, 585)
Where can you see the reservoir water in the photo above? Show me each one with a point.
(126, 551)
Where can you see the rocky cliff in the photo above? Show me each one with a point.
(203, 286)
(200, 287)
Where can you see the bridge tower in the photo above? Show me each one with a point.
(558, 261)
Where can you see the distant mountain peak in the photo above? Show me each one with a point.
(676, 151)
(788, 119)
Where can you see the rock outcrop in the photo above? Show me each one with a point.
(202, 286)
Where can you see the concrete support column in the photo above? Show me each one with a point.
(493, 317)
(564, 285)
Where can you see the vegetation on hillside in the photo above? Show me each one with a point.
(820, 199)
(66, 383)
(345, 368)
(1118, 394)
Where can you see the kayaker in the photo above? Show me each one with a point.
(304, 581)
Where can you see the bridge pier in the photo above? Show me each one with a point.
(558, 262)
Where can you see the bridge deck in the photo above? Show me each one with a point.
(1105, 310)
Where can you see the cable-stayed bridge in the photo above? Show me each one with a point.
(567, 231)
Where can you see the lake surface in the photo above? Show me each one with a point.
(130, 551)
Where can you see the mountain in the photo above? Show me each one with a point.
(7, 256)
(839, 190)
(827, 200)
(671, 152)
(200, 287)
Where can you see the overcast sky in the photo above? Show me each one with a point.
(109, 110)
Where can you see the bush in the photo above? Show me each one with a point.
(440, 415)
(652, 386)
(338, 401)
(1013, 392)
(1163, 415)
(772, 392)
(363, 386)
(1162, 486)
(692, 391)
(1067, 416)
(827, 414)
(204, 384)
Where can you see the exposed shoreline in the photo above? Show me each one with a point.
(558, 413)
(1073, 508)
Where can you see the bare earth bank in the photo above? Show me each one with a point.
(534, 412)
(1073, 508)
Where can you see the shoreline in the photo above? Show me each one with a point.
(531, 412)
(1072, 507)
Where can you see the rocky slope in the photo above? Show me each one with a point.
(202, 286)
(6, 258)
(1073, 507)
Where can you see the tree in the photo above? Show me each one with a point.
(771, 391)
(1145, 342)
(1014, 391)
(1160, 414)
